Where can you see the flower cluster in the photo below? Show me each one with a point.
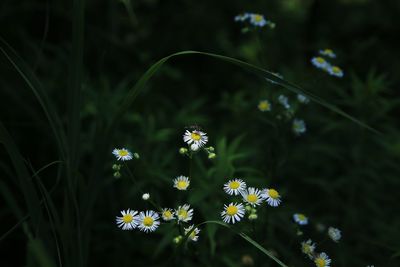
(250, 196)
(323, 64)
(122, 154)
(254, 20)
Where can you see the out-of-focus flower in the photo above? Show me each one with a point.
(334, 234)
(300, 218)
(335, 71)
(303, 99)
(320, 63)
(308, 248)
(284, 101)
(299, 126)
(264, 105)
(322, 260)
(194, 234)
(327, 53)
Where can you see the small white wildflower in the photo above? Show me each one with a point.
(327, 53)
(233, 212)
(195, 139)
(194, 234)
(320, 63)
(148, 221)
(308, 248)
(300, 218)
(335, 71)
(258, 20)
(264, 105)
(299, 126)
(128, 221)
(334, 234)
(181, 182)
(322, 260)
(303, 99)
(184, 213)
(167, 214)
(272, 197)
(122, 154)
(284, 101)
(234, 187)
(252, 196)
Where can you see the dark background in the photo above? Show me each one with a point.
(338, 173)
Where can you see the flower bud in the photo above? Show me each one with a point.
(177, 239)
(116, 167)
(117, 174)
(183, 150)
(146, 196)
(253, 217)
(136, 155)
(212, 155)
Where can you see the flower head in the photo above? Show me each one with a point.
(258, 20)
(122, 154)
(300, 218)
(167, 214)
(193, 234)
(320, 63)
(234, 187)
(233, 213)
(334, 234)
(148, 221)
(252, 196)
(303, 99)
(308, 248)
(264, 105)
(284, 101)
(128, 220)
(184, 213)
(195, 139)
(335, 71)
(181, 182)
(146, 196)
(322, 260)
(299, 126)
(327, 53)
(272, 197)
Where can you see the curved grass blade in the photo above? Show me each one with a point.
(33, 83)
(140, 85)
(242, 235)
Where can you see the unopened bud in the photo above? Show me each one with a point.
(136, 155)
(146, 196)
(212, 156)
(117, 175)
(253, 217)
(177, 239)
(183, 150)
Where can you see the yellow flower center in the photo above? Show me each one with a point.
(127, 218)
(252, 198)
(148, 221)
(263, 106)
(258, 18)
(167, 214)
(328, 51)
(123, 153)
(182, 185)
(320, 60)
(182, 214)
(320, 262)
(273, 193)
(306, 248)
(195, 136)
(301, 217)
(336, 69)
(231, 210)
(234, 185)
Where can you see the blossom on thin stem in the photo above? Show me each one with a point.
(122, 154)
(128, 220)
(233, 212)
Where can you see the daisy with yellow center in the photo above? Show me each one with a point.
(234, 187)
(300, 218)
(320, 63)
(195, 139)
(252, 196)
(308, 248)
(335, 71)
(264, 105)
(128, 221)
(167, 214)
(327, 53)
(193, 236)
(148, 221)
(233, 213)
(322, 260)
(181, 182)
(272, 197)
(122, 154)
(184, 213)
(257, 20)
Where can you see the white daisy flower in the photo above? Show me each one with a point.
(184, 213)
(272, 197)
(252, 196)
(234, 187)
(284, 101)
(300, 218)
(233, 213)
(128, 221)
(334, 234)
(181, 182)
(148, 221)
(194, 234)
(146, 196)
(299, 126)
(327, 53)
(320, 63)
(303, 99)
(195, 139)
(122, 154)
(258, 20)
(322, 260)
(335, 71)
(264, 105)
(308, 248)
(167, 214)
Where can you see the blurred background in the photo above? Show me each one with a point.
(337, 173)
